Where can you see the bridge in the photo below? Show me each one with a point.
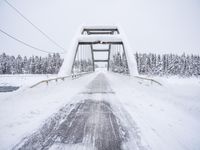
(94, 119)
(98, 101)
(98, 44)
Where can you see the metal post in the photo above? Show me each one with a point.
(92, 56)
(109, 57)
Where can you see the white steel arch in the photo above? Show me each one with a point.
(98, 34)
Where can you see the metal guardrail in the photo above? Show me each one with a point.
(142, 78)
(152, 80)
(74, 76)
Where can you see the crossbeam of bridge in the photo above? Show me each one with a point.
(97, 30)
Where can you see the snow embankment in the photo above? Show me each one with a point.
(25, 110)
(167, 116)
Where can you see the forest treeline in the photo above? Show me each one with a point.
(30, 65)
(168, 64)
(147, 64)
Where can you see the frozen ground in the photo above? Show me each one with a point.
(142, 115)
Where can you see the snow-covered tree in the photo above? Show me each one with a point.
(168, 64)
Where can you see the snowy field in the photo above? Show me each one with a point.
(165, 117)
(22, 79)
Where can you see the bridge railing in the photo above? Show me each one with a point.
(148, 79)
(73, 76)
(141, 78)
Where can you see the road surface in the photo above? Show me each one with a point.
(89, 122)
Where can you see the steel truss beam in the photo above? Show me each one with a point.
(100, 31)
(101, 50)
(106, 60)
(101, 42)
(92, 32)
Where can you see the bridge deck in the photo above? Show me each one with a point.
(90, 122)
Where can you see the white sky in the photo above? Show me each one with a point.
(160, 26)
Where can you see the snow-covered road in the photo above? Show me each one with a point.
(90, 122)
(103, 111)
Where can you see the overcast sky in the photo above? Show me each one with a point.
(158, 26)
